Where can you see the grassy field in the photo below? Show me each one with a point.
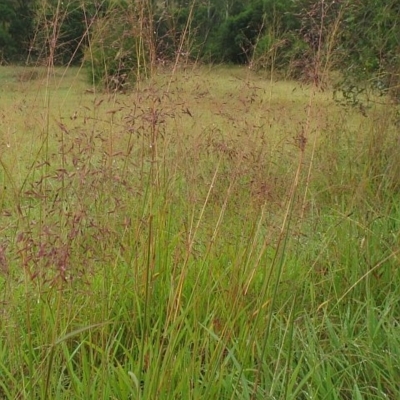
(210, 235)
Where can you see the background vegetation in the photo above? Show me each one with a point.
(361, 36)
(176, 228)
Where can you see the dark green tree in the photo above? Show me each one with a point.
(16, 29)
(22, 27)
(247, 26)
(7, 47)
(62, 29)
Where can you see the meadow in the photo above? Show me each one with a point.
(210, 234)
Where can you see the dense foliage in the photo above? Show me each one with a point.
(371, 42)
(118, 51)
(16, 29)
(362, 37)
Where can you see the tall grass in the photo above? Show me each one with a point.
(151, 253)
(211, 234)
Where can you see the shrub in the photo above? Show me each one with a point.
(238, 34)
(286, 52)
(118, 53)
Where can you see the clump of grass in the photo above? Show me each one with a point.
(27, 75)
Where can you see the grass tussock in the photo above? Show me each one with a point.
(218, 237)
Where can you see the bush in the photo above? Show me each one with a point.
(287, 53)
(254, 32)
(238, 34)
(16, 29)
(370, 40)
(118, 53)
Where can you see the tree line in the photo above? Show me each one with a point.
(292, 36)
